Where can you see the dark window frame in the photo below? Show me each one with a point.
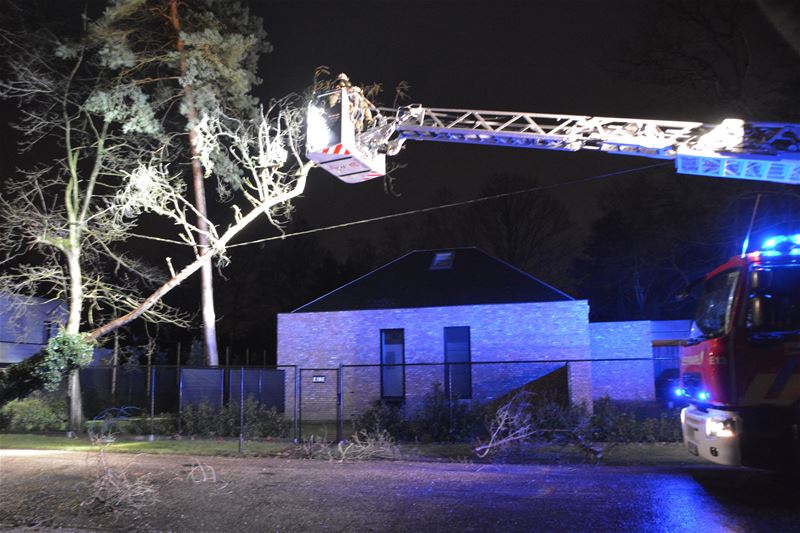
(468, 363)
(402, 333)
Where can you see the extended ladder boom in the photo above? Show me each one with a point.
(731, 149)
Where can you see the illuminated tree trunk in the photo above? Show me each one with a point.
(73, 327)
(198, 184)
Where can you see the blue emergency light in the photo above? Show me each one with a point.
(780, 245)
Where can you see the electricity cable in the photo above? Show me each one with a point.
(421, 210)
(447, 206)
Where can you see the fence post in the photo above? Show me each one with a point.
(152, 436)
(297, 411)
(114, 363)
(339, 404)
(180, 399)
(222, 373)
(449, 370)
(178, 362)
(241, 410)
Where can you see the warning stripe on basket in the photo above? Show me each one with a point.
(336, 150)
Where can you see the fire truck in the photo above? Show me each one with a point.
(740, 370)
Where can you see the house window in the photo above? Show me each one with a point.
(442, 261)
(392, 364)
(457, 358)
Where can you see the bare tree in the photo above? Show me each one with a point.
(712, 50)
(63, 223)
(59, 223)
(269, 153)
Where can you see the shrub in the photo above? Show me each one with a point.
(440, 419)
(437, 420)
(37, 412)
(612, 423)
(260, 421)
(203, 419)
(20, 379)
(386, 416)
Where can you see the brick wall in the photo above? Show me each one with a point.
(544, 332)
(622, 380)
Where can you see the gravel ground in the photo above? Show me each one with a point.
(43, 490)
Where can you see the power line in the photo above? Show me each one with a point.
(422, 210)
(447, 206)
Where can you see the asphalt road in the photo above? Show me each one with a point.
(303, 495)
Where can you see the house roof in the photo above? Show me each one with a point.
(437, 278)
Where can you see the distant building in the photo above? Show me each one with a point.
(26, 326)
(472, 323)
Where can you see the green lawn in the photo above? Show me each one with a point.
(225, 447)
(621, 455)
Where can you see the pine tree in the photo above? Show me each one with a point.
(202, 56)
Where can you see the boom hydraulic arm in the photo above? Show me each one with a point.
(354, 150)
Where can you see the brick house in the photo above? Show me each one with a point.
(473, 324)
(26, 326)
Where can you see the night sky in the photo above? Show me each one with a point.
(619, 58)
(574, 57)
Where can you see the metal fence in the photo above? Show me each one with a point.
(168, 390)
(330, 399)
(325, 401)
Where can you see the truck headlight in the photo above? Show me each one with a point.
(720, 427)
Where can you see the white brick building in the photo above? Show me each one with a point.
(460, 318)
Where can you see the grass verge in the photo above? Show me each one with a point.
(628, 454)
(200, 447)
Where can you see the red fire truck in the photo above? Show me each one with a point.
(740, 369)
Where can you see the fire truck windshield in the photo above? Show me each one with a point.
(713, 314)
(774, 299)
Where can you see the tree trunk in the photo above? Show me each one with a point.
(114, 364)
(75, 404)
(73, 327)
(207, 269)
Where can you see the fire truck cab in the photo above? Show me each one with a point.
(740, 370)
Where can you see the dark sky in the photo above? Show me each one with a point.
(566, 56)
(571, 56)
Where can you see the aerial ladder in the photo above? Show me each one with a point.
(351, 139)
(742, 381)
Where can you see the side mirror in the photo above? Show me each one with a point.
(687, 291)
(760, 310)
